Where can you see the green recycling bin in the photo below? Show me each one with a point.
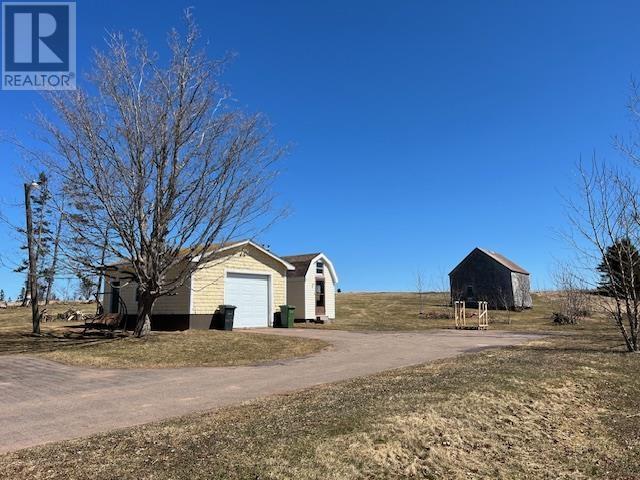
(287, 316)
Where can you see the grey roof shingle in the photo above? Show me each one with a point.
(501, 259)
(513, 266)
(301, 262)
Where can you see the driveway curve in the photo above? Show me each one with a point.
(44, 401)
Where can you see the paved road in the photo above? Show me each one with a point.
(43, 401)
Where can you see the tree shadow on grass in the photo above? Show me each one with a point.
(14, 342)
(608, 344)
(618, 350)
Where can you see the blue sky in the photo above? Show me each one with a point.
(419, 129)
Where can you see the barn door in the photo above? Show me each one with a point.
(470, 295)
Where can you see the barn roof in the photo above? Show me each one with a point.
(501, 259)
(513, 266)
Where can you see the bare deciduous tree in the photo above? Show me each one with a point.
(574, 300)
(52, 270)
(606, 225)
(80, 248)
(420, 290)
(504, 301)
(174, 169)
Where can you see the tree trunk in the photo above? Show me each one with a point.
(625, 336)
(145, 305)
(103, 253)
(634, 347)
(54, 262)
(33, 261)
(27, 293)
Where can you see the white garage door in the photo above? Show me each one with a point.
(250, 294)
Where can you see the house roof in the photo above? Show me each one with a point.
(242, 243)
(216, 248)
(501, 259)
(301, 263)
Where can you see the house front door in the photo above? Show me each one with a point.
(114, 307)
(320, 298)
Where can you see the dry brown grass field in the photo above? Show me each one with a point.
(63, 342)
(400, 311)
(564, 407)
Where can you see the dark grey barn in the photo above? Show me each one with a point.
(488, 276)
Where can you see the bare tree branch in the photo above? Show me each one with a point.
(156, 160)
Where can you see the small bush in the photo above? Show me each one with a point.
(436, 314)
(583, 312)
(562, 319)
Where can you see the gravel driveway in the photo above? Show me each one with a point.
(44, 401)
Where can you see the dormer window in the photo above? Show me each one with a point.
(320, 268)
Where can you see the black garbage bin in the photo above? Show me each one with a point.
(225, 317)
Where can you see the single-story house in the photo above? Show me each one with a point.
(243, 274)
(488, 276)
(311, 286)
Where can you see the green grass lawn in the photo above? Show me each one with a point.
(64, 343)
(564, 407)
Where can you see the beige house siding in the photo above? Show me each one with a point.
(329, 296)
(207, 283)
(177, 303)
(310, 291)
(193, 304)
(296, 295)
(127, 294)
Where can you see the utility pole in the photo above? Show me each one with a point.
(33, 282)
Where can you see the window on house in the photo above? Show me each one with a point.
(320, 293)
(469, 291)
(320, 267)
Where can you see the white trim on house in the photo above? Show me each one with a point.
(327, 262)
(301, 286)
(262, 273)
(255, 245)
(190, 290)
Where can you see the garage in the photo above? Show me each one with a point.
(250, 294)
